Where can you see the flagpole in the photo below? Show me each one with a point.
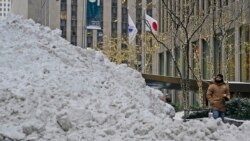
(144, 42)
(132, 31)
(84, 24)
(128, 39)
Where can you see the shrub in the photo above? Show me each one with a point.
(238, 108)
(198, 114)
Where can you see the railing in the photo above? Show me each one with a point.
(165, 82)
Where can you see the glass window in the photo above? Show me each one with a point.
(74, 2)
(177, 58)
(74, 7)
(230, 55)
(169, 64)
(206, 60)
(225, 3)
(196, 56)
(73, 40)
(73, 31)
(217, 55)
(114, 3)
(244, 54)
(63, 7)
(73, 23)
(63, 22)
(161, 67)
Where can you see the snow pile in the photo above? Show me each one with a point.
(51, 90)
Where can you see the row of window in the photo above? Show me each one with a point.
(114, 25)
(2, 14)
(4, 9)
(4, 0)
(200, 7)
(4, 5)
(212, 60)
(74, 22)
(63, 18)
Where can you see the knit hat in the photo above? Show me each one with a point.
(220, 75)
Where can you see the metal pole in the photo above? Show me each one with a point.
(84, 24)
(144, 42)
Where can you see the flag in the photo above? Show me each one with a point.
(132, 30)
(151, 24)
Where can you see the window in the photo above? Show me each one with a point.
(196, 54)
(114, 3)
(73, 23)
(225, 3)
(63, 6)
(169, 64)
(124, 10)
(124, 28)
(206, 62)
(99, 37)
(161, 66)
(209, 6)
(114, 25)
(63, 22)
(63, 18)
(73, 40)
(73, 31)
(89, 41)
(245, 53)
(74, 1)
(74, 7)
(177, 58)
(217, 55)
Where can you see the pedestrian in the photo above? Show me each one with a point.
(217, 94)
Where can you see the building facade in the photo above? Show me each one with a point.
(4, 7)
(221, 47)
(70, 17)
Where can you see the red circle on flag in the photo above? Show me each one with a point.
(155, 26)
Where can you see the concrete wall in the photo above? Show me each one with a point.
(19, 7)
(54, 14)
(34, 10)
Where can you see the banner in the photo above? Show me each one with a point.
(93, 14)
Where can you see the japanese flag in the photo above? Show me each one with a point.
(132, 30)
(151, 24)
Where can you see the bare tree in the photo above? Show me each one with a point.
(120, 51)
(186, 23)
(189, 23)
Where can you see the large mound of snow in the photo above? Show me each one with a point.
(51, 90)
